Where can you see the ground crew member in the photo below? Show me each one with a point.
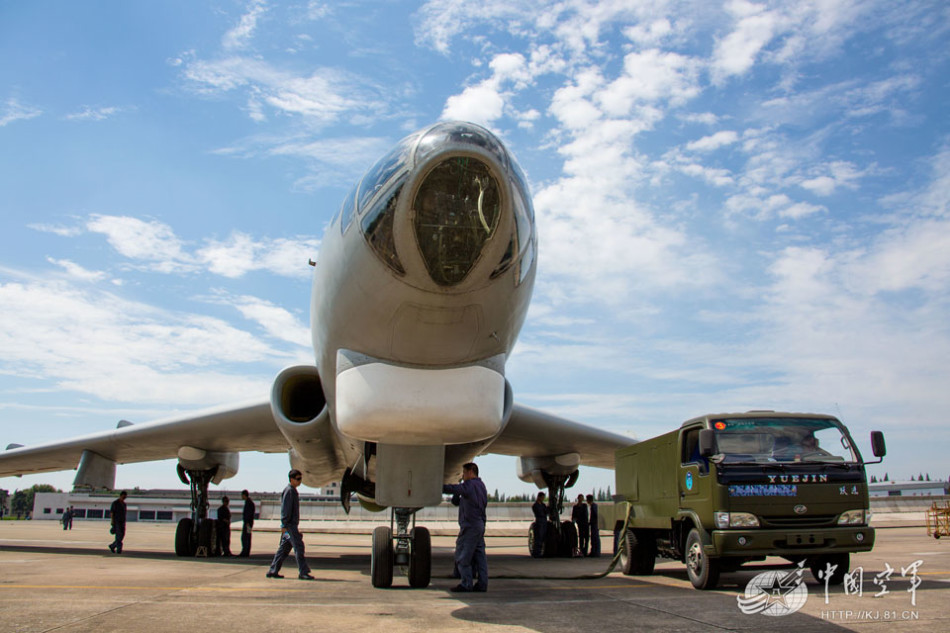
(540, 525)
(118, 513)
(290, 536)
(470, 544)
(248, 516)
(594, 527)
(579, 517)
(224, 527)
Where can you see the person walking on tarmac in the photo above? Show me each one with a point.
(540, 525)
(224, 526)
(594, 528)
(248, 516)
(470, 544)
(290, 537)
(580, 519)
(118, 513)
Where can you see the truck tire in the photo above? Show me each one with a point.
(703, 571)
(639, 553)
(819, 564)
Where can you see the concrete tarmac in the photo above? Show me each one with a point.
(54, 580)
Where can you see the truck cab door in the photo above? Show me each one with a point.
(693, 479)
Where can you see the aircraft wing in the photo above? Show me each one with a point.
(248, 427)
(534, 433)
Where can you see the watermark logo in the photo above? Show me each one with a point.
(781, 592)
(775, 593)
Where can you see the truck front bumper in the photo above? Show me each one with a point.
(790, 542)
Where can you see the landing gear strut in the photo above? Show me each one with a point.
(410, 548)
(196, 536)
(561, 537)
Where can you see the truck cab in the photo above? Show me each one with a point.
(726, 489)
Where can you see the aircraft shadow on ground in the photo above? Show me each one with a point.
(556, 605)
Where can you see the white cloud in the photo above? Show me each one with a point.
(137, 239)
(93, 114)
(13, 110)
(713, 141)
(479, 104)
(324, 96)
(737, 52)
(240, 35)
(240, 254)
(56, 229)
(76, 271)
(275, 320)
(124, 351)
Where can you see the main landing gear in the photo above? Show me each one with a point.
(197, 536)
(410, 548)
(561, 536)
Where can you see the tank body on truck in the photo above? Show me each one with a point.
(726, 489)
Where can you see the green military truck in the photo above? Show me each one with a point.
(727, 489)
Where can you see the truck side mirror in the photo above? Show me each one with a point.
(877, 444)
(707, 442)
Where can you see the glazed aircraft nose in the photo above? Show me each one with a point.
(455, 212)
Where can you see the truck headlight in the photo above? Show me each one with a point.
(853, 517)
(736, 520)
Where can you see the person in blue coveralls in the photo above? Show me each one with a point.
(470, 544)
(290, 537)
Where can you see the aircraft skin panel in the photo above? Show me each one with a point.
(533, 433)
(248, 427)
(402, 405)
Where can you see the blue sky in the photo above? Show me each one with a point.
(740, 205)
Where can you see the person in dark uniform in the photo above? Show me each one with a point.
(248, 516)
(118, 512)
(594, 527)
(290, 537)
(224, 527)
(470, 544)
(67, 517)
(540, 525)
(72, 514)
(581, 521)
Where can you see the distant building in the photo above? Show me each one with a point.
(164, 506)
(908, 488)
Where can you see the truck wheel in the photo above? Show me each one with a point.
(843, 562)
(703, 571)
(639, 553)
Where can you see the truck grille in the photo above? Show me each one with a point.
(812, 521)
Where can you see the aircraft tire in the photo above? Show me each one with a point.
(533, 550)
(550, 543)
(208, 536)
(843, 562)
(185, 544)
(639, 553)
(568, 543)
(381, 564)
(702, 570)
(420, 558)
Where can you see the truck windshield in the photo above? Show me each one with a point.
(782, 440)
